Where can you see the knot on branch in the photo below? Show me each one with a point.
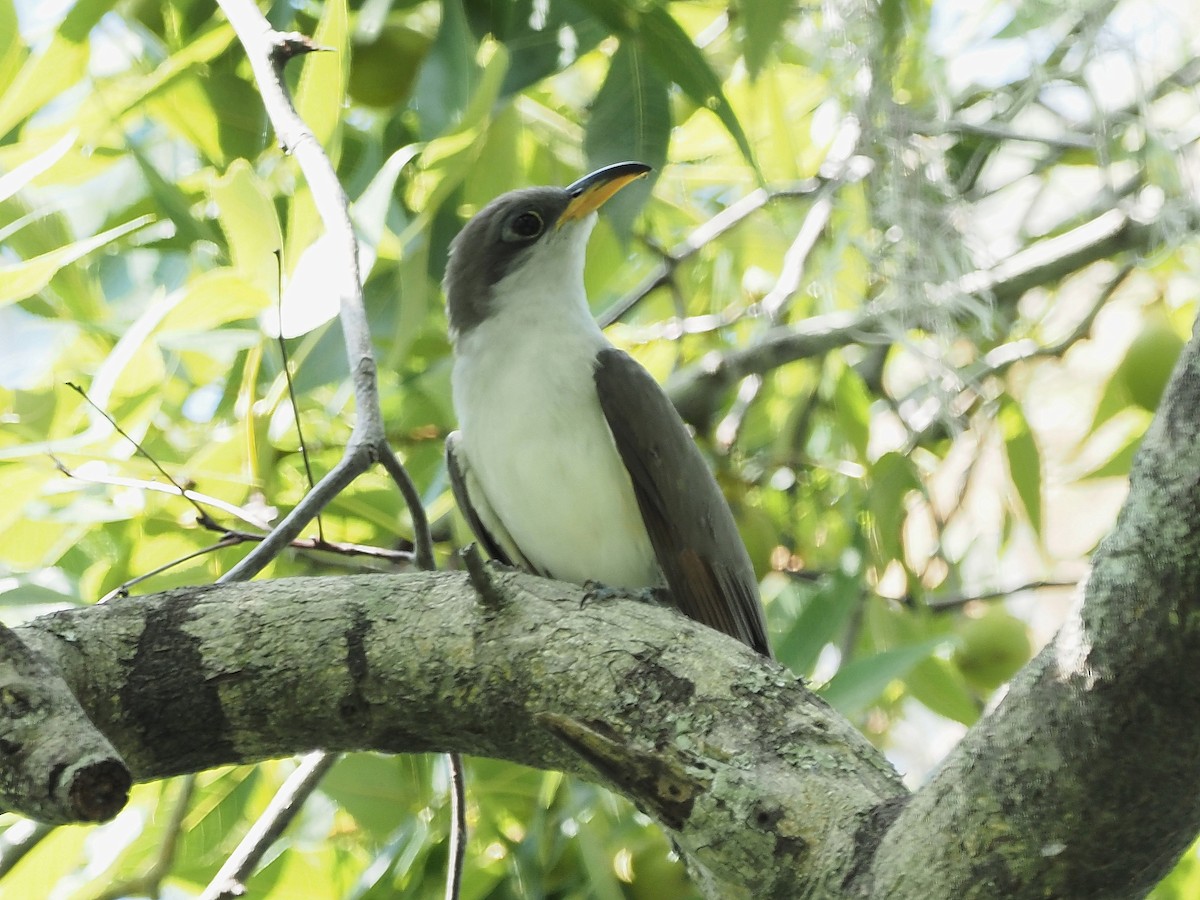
(286, 45)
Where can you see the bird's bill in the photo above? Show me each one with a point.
(591, 192)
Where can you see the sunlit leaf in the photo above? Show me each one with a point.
(859, 683)
(762, 28)
(26, 278)
(893, 477)
(247, 216)
(13, 52)
(630, 120)
(1024, 462)
(321, 90)
(46, 75)
(18, 178)
(936, 683)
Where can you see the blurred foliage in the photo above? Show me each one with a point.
(963, 448)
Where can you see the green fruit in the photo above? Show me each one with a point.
(1148, 363)
(992, 649)
(382, 72)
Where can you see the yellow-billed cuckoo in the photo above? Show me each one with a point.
(571, 462)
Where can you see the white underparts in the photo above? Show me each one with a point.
(533, 431)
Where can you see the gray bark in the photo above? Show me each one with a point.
(765, 789)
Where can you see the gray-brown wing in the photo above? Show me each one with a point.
(484, 523)
(708, 571)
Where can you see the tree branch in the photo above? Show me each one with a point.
(758, 781)
(268, 51)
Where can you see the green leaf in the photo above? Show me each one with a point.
(247, 216)
(893, 477)
(1024, 462)
(19, 178)
(677, 59)
(822, 617)
(533, 33)
(629, 119)
(170, 199)
(13, 51)
(381, 792)
(852, 404)
(937, 684)
(448, 160)
(321, 90)
(762, 28)
(213, 299)
(448, 77)
(1114, 400)
(48, 74)
(1119, 464)
(858, 684)
(24, 279)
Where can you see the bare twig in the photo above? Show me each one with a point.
(482, 578)
(696, 390)
(122, 590)
(267, 51)
(1064, 141)
(230, 881)
(458, 825)
(835, 172)
(230, 536)
(942, 604)
(998, 360)
(173, 489)
(291, 387)
(201, 512)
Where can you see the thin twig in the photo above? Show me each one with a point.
(999, 359)
(122, 590)
(942, 604)
(458, 825)
(230, 881)
(171, 489)
(200, 510)
(291, 387)
(268, 52)
(233, 536)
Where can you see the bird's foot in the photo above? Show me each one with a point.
(597, 591)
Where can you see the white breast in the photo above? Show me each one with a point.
(536, 438)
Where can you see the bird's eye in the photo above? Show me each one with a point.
(525, 226)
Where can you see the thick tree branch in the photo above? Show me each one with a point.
(765, 789)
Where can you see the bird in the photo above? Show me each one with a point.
(569, 460)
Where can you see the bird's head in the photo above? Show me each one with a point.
(541, 229)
